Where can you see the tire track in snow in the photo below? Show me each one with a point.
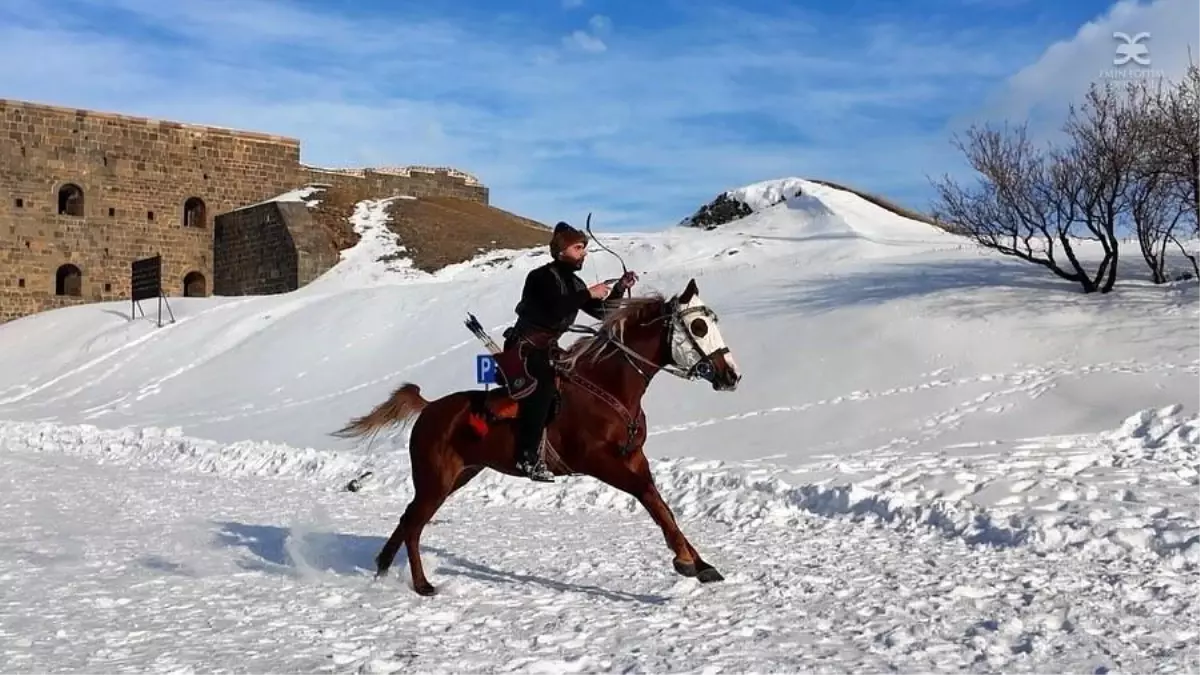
(230, 336)
(1033, 381)
(856, 396)
(391, 377)
(79, 370)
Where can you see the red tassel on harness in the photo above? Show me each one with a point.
(477, 423)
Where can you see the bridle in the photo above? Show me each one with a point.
(678, 334)
(704, 366)
(700, 364)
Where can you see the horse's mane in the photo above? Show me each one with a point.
(619, 312)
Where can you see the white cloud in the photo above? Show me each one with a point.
(600, 24)
(1042, 91)
(590, 42)
(585, 41)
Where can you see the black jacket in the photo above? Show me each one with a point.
(553, 296)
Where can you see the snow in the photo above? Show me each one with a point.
(767, 193)
(377, 258)
(302, 195)
(938, 459)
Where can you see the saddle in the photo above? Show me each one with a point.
(515, 383)
(513, 375)
(498, 405)
(513, 379)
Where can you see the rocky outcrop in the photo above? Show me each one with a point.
(734, 204)
(724, 209)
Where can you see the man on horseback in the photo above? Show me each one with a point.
(551, 299)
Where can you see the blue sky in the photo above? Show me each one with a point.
(639, 111)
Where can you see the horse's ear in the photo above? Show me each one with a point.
(689, 292)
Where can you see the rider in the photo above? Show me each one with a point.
(551, 299)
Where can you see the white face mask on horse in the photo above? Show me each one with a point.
(697, 348)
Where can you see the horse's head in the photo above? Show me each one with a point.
(695, 343)
(679, 335)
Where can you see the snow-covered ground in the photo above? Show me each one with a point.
(939, 459)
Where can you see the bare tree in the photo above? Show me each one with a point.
(1112, 171)
(1115, 139)
(1157, 216)
(1014, 210)
(1177, 139)
(1176, 119)
(1150, 194)
(1191, 257)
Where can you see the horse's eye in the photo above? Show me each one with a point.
(699, 327)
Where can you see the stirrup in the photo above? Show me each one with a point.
(535, 471)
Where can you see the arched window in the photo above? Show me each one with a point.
(68, 280)
(70, 200)
(194, 212)
(194, 285)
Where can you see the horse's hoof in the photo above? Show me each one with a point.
(708, 575)
(379, 574)
(425, 589)
(686, 569)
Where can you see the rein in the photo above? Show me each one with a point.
(631, 356)
(634, 358)
(677, 317)
(631, 421)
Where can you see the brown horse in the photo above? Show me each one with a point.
(598, 428)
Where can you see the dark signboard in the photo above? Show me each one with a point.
(145, 279)
(145, 283)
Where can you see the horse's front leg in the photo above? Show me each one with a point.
(687, 560)
(632, 475)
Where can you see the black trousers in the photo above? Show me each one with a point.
(534, 409)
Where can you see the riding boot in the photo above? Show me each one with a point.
(531, 425)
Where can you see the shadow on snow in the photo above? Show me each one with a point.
(885, 282)
(282, 550)
(1017, 288)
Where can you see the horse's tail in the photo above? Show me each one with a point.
(404, 403)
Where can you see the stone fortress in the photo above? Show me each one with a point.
(83, 194)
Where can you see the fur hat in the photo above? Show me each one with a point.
(564, 236)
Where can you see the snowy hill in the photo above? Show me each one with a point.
(937, 458)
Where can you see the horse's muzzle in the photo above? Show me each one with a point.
(720, 373)
(726, 380)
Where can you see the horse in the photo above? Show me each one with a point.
(597, 426)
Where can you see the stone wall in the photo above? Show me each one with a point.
(279, 246)
(416, 182)
(89, 192)
(253, 252)
(16, 305)
(273, 247)
(132, 178)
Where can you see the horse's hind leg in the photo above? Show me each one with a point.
(388, 554)
(433, 489)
